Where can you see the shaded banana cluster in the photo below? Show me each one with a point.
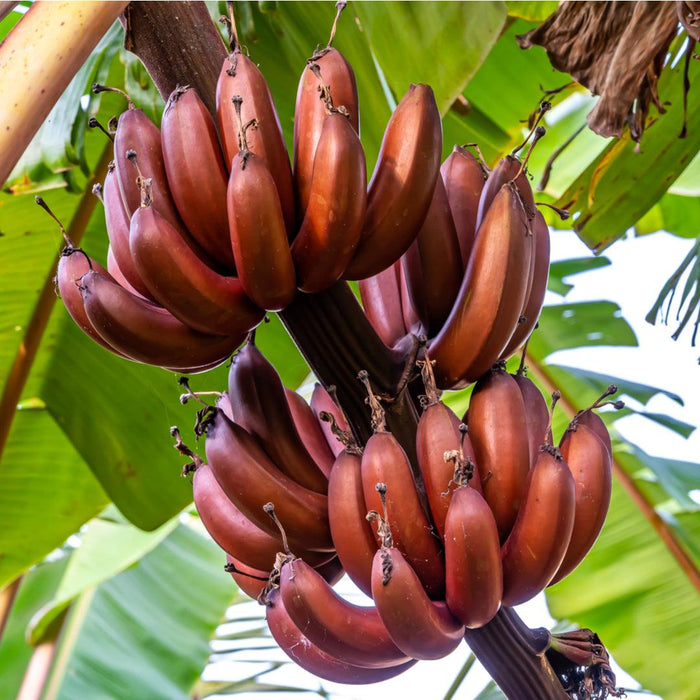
(491, 514)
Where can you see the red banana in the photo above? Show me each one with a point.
(115, 271)
(411, 320)
(381, 300)
(491, 297)
(347, 514)
(538, 287)
(184, 284)
(321, 401)
(464, 178)
(536, 414)
(148, 333)
(240, 76)
(432, 265)
(537, 544)
(259, 405)
(313, 659)
(473, 571)
(352, 633)
(196, 172)
(310, 431)
(258, 235)
(402, 184)
(327, 67)
(335, 210)
(591, 467)
(422, 628)
(251, 480)
(498, 432)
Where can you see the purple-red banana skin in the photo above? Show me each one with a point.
(432, 265)
(536, 415)
(335, 211)
(236, 534)
(310, 431)
(116, 272)
(384, 461)
(136, 132)
(313, 659)
(321, 402)
(438, 432)
(591, 467)
(536, 546)
(464, 178)
(259, 405)
(250, 480)
(402, 184)
(310, 113)
(420, 627)
(593, 421)
(411, 318)
(258, 235)
(487, 309)
(535, 297)
(148, 333)
(196, 173)
(240, 76)
(352, 534)
(184, 284)
(381, 299)
(473, 571)
(350, 632)
(498, 432)
(118, 223)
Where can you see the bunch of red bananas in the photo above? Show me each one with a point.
(492, 515)
(210, 226)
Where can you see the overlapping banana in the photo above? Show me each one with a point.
(493, 513)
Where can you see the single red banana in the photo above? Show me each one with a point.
(498, 431)
(251, 480)
(473, 571)
(591, 467)
(402, 184)
(595, 423)
(196, 172)
(422, 628)
(537, 544)
(432, 265)
(381, 300)
(536, 415)
(259, 405)
(235, 533)
(535, 297)
(258, 235)
(310, 113)
(464, 178)
(411, 319)
(321, 401)
(491, 297)
(313, 659)
(335, 210)
(347, 514)
(118, 223)
(148, 333)
(310, 431)
(185, 285)
(352, 633)
(384, 461)
(240, 76)
(116, 273)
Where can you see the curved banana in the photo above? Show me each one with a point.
(536, 415)
(259, 405)
(402, 184)
(352, 633)
(335, 210)
(422, 628)
(464, 178)
(240, 76)
(196, 172)
(488, 306)
(381, 301)
(473, 571)
(250, 480)
(321, 401)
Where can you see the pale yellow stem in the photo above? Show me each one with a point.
(38, 59)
